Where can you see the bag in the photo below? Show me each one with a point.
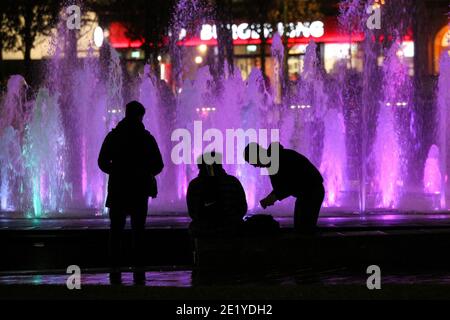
(152, 188)
(261, 224)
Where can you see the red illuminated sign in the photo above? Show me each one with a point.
(326, 32)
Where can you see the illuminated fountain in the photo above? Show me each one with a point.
(443, 101)
(389, 156)
(333, 165)
(356, 128)
(12, 131)
(44, 154)
(432, 178)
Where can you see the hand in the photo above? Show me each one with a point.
(268, 201)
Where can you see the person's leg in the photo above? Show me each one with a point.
(307, 210)
(117, 224)
(138, 219)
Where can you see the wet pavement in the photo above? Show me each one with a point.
(411, 249)
(187, 278)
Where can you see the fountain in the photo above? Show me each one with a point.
(387, 151)
(443, 120)
(356, 127)
(432, 178)
(43, 152)
(12, 131)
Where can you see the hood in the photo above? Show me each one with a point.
(206, 171)
(127, 125)
(280, 147)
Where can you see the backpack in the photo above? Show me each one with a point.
(261, 224)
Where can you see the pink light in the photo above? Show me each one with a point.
(83, 167)
(390, 217)
(119, 39)
(432, 173)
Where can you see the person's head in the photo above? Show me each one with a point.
(210, 164)
(252, 154)
(134, 111)
(261, 157)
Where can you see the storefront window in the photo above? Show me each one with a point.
(295, 67)
(333, 52)
(407, 53)
(245, 65)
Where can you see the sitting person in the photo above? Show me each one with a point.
(216, 200)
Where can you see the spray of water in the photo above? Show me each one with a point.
(443, 120)
(49, 143)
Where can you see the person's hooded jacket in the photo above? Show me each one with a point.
(132, 159)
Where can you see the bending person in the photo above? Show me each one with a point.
(295, 176)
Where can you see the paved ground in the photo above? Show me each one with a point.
(183, 277)
(181, 221)
(411, 249)
(181, 284)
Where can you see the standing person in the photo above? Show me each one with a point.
(296, 176)
(131, 158)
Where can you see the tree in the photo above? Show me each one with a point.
(224, 20)
(8, 35)
(266, 14)
(257, 15)
(35, 17)
(148, 22)
(291, 11)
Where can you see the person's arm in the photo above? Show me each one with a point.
(242, 200)
(105, 156)
(285, 181)
(193, 200)
(280, 188)
(280, 194)
(269, 200)
(156, 161)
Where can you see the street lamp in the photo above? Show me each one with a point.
(202, 48)
(98, 36)
(198, 59)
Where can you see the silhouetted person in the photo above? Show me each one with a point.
(295, 176)
(131, 158)
(216, 200)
